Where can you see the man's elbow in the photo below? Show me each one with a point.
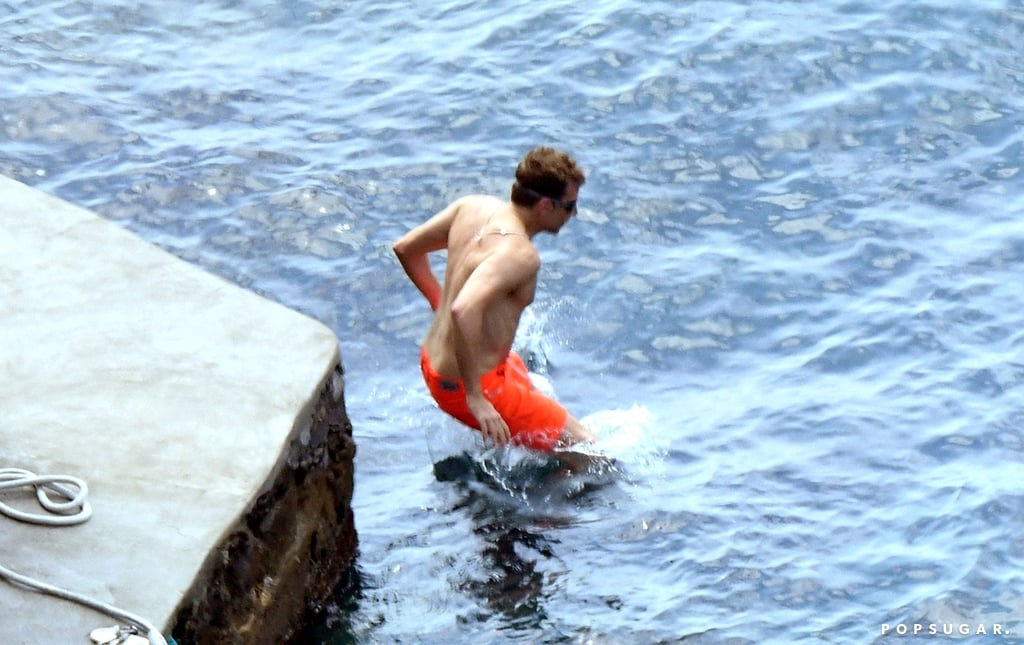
(459, 311)
(402, 251)
(399, 248)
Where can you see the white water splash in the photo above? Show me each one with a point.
(628, 436)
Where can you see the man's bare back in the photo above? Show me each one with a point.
(486, 237)
(490, 278)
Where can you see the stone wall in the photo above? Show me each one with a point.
(290, 548)
(208, 421)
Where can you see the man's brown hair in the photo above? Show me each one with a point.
(545, 172)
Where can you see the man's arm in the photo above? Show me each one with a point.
(495, 278)
(413, 247)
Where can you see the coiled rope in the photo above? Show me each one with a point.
(68, 509)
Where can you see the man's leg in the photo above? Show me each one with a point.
(574, 432)
(532, 415)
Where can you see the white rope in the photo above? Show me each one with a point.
(74, 509)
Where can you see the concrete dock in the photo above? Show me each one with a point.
(208, 423)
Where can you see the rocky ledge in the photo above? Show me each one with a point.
(290, 548)
(208, 421)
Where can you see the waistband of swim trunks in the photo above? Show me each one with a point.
(448, 384)
(497, 371)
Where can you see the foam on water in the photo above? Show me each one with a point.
(629, 436)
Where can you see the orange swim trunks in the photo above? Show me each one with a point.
(534, 420)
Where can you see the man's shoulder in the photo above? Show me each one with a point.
(520, 250)
(477, 201)
(472, 210)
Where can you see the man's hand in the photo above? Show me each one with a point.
(492, 426)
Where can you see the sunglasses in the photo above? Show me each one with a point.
(569, 206)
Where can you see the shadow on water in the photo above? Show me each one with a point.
(531, 479)
(517, 503)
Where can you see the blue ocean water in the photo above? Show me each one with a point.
(791, 298)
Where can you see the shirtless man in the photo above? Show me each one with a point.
(491, 276)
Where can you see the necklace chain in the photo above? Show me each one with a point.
(501, 230)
